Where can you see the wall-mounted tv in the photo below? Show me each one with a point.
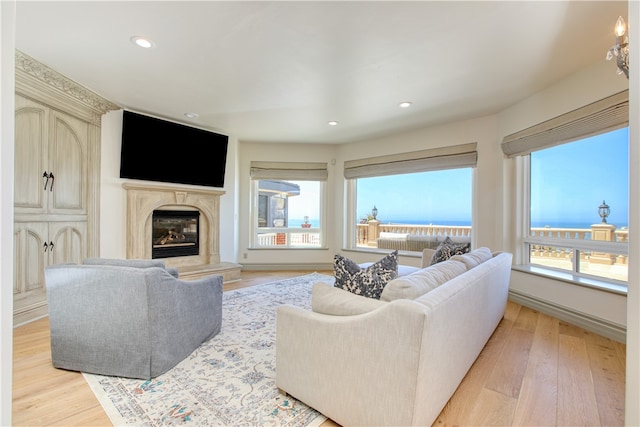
(159, 150)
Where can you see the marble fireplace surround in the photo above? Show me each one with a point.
(143, 199)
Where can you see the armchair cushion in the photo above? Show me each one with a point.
(138, 263)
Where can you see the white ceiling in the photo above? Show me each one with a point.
(279, 71)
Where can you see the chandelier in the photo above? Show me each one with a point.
(620, 50)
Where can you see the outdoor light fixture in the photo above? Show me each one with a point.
(604, 211)
(621, 49)
(374, 212)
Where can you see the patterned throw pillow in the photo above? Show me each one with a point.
(447, 249)
(368, 282)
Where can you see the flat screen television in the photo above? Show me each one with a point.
(159, 150)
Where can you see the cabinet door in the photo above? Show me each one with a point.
(30, 259)
(67, 242)
(68, 158)
(31, 146)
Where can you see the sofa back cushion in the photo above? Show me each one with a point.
(327, 299)
(474, 258)
(422, 281)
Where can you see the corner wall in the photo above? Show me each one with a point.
(113, 198)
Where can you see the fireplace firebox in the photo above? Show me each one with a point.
(175, 233)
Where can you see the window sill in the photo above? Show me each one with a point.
(613, 286)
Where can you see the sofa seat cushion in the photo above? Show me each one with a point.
(368, 282)
(421, 282)
(327, 299)
(474, 258)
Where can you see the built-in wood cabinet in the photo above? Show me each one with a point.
(57, 172)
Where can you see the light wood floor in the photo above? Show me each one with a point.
(535, 371)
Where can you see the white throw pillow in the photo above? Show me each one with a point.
(421, 282)
(327, 299)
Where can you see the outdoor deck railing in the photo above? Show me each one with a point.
(295, 237)
(368, 234)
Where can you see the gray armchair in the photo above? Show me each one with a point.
(128, 321)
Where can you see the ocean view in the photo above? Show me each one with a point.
(315, 223)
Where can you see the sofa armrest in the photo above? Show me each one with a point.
(183, 314)
(427, 254)
(357, 370)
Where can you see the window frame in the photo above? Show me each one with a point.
(526, 240)
(288, 231)
(350, 240)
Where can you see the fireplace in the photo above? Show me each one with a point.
(144, 201)
(174, 233)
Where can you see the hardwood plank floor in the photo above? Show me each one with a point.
(535, 371)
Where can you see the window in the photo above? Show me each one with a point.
(574, 171)
(571, 185)
(288, 213)
(406, 202)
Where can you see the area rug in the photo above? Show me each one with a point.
(229, 380)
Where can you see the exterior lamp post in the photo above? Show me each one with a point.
(373, 230)
(604, 232)
(604, 211)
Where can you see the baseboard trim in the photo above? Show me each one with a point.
(594, 324)
(294, 267)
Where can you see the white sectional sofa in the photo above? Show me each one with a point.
(397, 362)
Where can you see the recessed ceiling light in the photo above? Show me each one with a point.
(405, 104)
(142, 42)
(333, 123)
(191, 115)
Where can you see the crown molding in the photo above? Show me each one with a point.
(33, 76)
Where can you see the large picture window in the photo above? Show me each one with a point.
(574, 174)
(580, 191)
(288, 205)
(412, 201)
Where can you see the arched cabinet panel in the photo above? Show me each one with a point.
(57, 179)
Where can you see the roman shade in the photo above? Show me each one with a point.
(601, 116)
(456, 156)
(294, 171)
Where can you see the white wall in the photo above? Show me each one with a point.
(7, 114)
(113, 201)
(632, 406)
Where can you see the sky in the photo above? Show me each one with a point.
(422, 198)
(570, 181)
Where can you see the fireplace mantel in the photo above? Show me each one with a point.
(143, 199)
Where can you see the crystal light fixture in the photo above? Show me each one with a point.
(621, 49)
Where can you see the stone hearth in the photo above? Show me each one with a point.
(143, 199)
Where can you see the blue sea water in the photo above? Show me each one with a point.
(315, 223)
